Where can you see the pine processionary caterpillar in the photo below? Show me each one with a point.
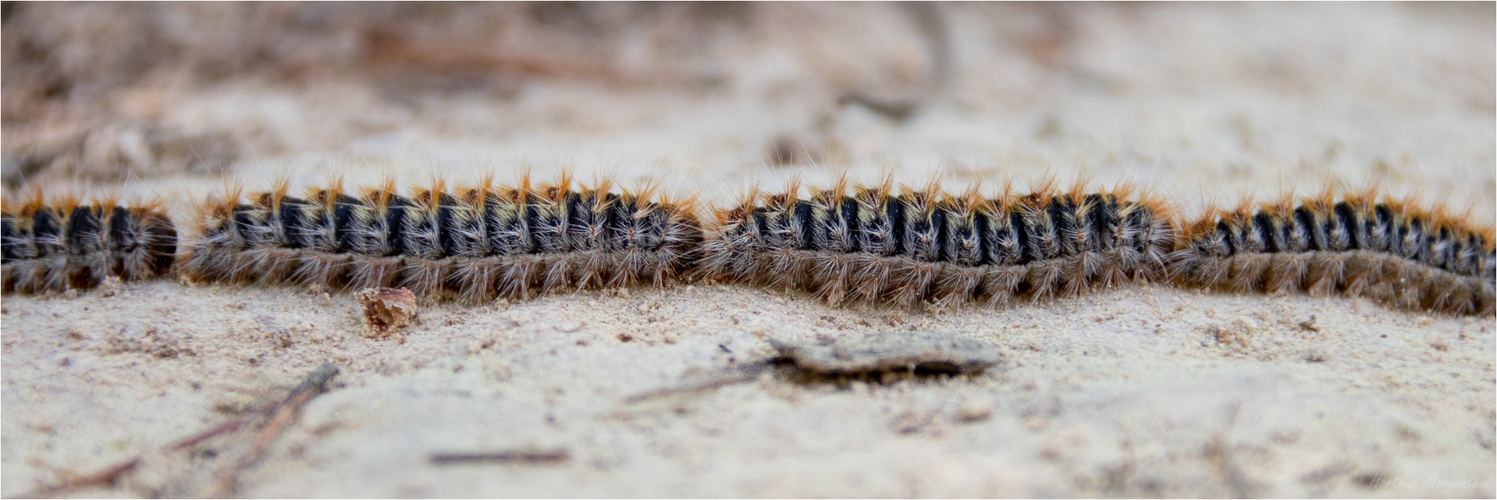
(481, 241)
(861, 244)
(1391, 250)
(921, 244)
(68, 244)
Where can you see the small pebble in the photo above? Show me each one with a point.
(975, 410)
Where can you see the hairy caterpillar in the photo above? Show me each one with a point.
(865, 243)
(481, 241)
(874, 245)
(1391, 250)
(68, 244)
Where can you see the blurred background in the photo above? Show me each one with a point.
(1202, 101)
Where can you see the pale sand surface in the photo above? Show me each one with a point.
(1142, 391)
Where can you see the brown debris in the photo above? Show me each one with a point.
(1309, 325)
(387, 311)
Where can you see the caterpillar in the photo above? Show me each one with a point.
(870, 244)
(1391, 250)
(874, 245)
(69, 244)
(480, 242)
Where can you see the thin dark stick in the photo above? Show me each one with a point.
(108, 476)
(742, 373)
(501, 457)
(279, 416)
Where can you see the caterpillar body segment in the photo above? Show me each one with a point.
(68, 244)
(1391, 250)
(872, 244)
(479, 242)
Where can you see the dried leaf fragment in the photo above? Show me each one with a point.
(387, 310)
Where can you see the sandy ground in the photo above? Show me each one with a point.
(1143, 391)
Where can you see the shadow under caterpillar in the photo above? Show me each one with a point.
(481, 241)
(1391, 250)
(876, 246)
(68, 244)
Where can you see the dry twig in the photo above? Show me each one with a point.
(501, 457)
(741, 373)
(276, 418)
(279, 418)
